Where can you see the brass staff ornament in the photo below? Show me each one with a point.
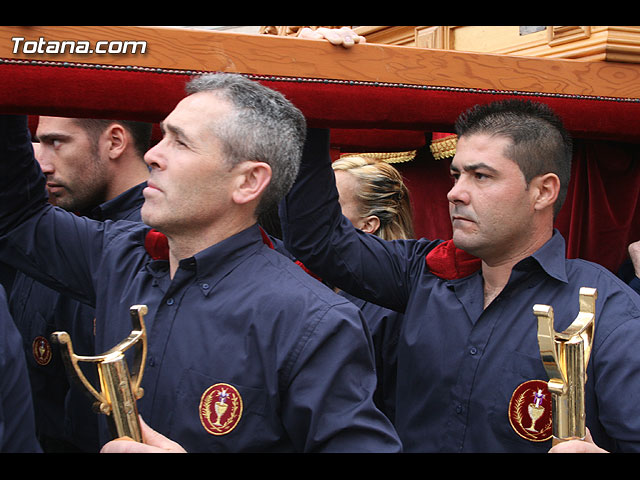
(119, 387)
(565, 357)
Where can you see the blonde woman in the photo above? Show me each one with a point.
(373, 196)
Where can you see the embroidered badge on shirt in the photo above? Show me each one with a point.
(220, 409)
(530, 411)
(41, 350)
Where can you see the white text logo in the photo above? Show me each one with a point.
(81, 47)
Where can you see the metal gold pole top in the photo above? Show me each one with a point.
(565, 356)
(119, 386)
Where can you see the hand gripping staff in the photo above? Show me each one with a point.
(120, 388)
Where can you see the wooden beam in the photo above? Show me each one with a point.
(204, 50)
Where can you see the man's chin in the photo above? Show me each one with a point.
(463, 242)
(148, 218)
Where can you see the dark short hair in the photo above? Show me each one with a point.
(540, 143)
(140, 131)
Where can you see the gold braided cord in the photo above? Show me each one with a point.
(389, 157)
(444, 147)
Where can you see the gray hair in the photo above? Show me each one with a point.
(264, 127)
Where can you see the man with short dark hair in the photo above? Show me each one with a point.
(231, 321)
(468, 357)
(88, 161)
(93, 167)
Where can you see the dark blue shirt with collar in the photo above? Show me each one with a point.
(628, 275)
(384, 327)
(65, 420)
(459, 364)
(294, 356)
(17, 425)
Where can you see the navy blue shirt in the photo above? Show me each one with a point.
(239, 324)
(628, 275)
(384, 326)
(17, 427)
(460, 364)
(65, 420)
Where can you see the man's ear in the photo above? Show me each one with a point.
(116, 137)
(251, 180)
(547, 188)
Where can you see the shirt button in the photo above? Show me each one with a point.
(459, 409)
(205, 286)
(473, 350)
(170, 301)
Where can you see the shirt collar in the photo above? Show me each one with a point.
(214, 262)
(551, 257)
(119, 207)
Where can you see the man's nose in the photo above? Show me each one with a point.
(153, 157)
(458, 192)
(44, 160)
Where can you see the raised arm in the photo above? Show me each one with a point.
(316, 232)
(49, 244)
(22, 184)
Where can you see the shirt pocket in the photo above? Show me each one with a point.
(517, 368)
(220, 415)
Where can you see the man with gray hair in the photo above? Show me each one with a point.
(263, 127)
(230, 320)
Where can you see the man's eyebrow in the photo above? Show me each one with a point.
(174, 129)
(473, 167)
(50, 136)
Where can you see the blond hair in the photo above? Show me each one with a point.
(382, 193)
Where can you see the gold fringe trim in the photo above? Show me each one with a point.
(444, 147)
(389, 157)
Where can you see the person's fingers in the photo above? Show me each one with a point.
(152, 442)
(341, 36)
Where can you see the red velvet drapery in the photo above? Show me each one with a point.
(598, 220)
(602, 213)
